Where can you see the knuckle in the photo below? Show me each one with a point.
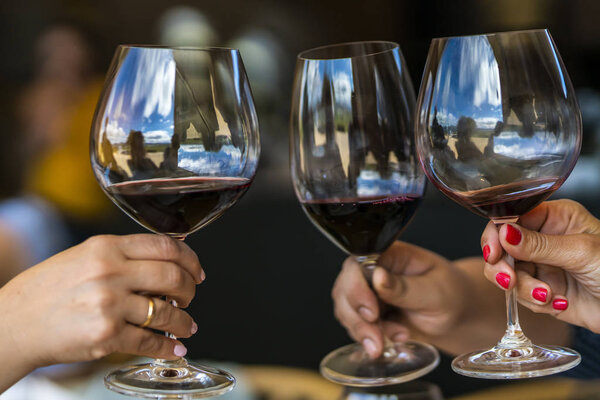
(168, 247)
(99, 244)
(103, 299)
(164, 315)
(175, 277)
(337, 312)
(99, 351)
(101, 268)
(105, 330)
(148, 344)
(537, 244)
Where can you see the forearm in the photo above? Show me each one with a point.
(17, 363)
(482, 322)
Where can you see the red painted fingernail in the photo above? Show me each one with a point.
(513, 235)
(540, 294)
(503, 279)
(560, 304)
(486, 252)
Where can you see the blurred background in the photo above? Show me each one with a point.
(270, 272)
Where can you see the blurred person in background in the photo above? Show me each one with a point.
(55, 112)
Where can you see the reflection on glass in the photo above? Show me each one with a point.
(498, 130)
(174, 144)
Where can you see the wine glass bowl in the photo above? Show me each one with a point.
(498, 130)
(357, 177)
(174, 144)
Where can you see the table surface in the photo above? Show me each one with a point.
(265, 382)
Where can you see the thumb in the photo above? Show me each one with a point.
(408, 292)
(571, 252)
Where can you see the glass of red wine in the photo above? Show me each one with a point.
(174, 143)
(357, 176)
(498, 130)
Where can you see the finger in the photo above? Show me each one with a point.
(407, 259)
(366, 333)
(572, 252)
(143, 342)
(554, 277)
(560, 217)
(352, 285)
(160, 278)
(395, 331)
(500, 274)
(532, 290)
(161, 248)
(166, 317)
(490, 244)
(411, 292)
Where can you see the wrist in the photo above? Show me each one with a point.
(14, 330)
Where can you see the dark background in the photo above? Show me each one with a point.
(267, 296)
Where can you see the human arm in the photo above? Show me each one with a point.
(448, 304)
(86, 302)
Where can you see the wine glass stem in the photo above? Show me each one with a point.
(513, 337)
(171, 363)
(368, 265)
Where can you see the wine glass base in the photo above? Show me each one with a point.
(351, 365)
(526, 362)
(169, 380)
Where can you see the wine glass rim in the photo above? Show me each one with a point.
(503, 33)
(303, 55)
(183, 48)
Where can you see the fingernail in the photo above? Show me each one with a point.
(513, 235)
(180, 350)
(503, 279)
(486, 252)
(560, 304)
(202, 276)
(194, 328)
(540, 294)
(366, 313)
(369, 346)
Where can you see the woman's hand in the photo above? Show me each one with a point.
(87, 302)
(557, 272)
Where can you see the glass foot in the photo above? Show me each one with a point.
(351, 365)
(161, 379)
(520, 362)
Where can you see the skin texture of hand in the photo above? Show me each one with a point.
(448, 304)
(85, 303)
(557, 272)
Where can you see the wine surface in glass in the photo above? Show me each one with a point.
(177, 206)
(364, 226)
(507, 200)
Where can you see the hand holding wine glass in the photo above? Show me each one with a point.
(174, 144)
(85, 303)
(357, 177)
(498, 131)
(558, 273)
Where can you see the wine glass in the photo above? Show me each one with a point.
(174, 143)
(498, 130)
(357, 176)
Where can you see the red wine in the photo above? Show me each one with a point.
(508, 200)
(362, 226)
(177, 206)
